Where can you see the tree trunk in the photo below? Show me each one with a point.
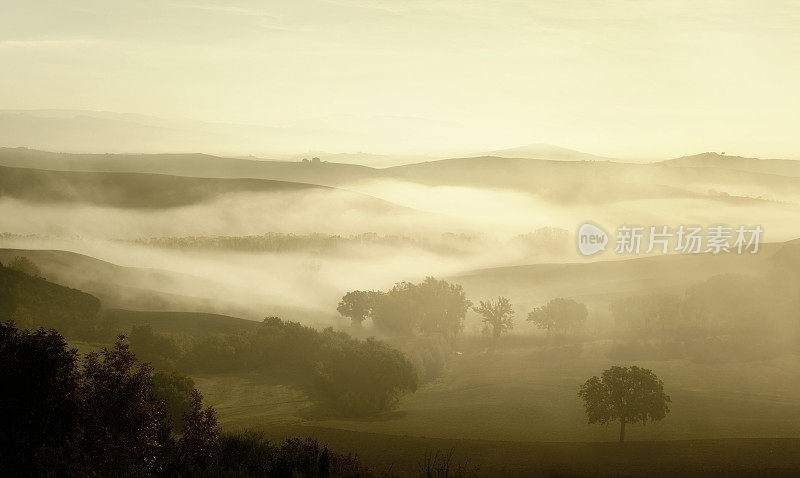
(621, 431)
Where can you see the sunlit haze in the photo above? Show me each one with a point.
(636, 80)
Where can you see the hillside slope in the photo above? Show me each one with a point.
(190, 164)
(784, 167)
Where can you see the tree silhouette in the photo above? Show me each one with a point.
(559, 315)
(432, 307)
(357, 305)
(39, 400)
(625, 394)
(499, 315)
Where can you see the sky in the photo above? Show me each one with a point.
(625, 79)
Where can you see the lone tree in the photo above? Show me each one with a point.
(499, 315)
(357, 305)
(628, 394)
(559, 315)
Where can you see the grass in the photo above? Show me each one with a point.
(515, 411)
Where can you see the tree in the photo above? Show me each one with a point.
(430, 307)
(559, 315)
(39, 404)
(498, 315)
(625, 394)
(159, 350)
(121, 418)
(198, 445)
(357, 305)
(175, 390)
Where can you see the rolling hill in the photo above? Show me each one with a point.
(599, 283)
(150, 290)
(561, 181)
(783, 167)
(128, 190)
(544, 151)
(189, 164)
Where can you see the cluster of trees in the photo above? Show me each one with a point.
(546, 240)
(432, 307)
(351, 376)
(111, 415)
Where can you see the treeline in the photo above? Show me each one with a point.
(728, 316)
(108, 414)
(546, 240)
(437, 308)
(348, 375)
(447, 243)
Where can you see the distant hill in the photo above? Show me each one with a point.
(143, 289)
(37, 302)
(561, 181)
(557, 181)
(599, 182)
(784, 167)
(598, 283)
(128, 190)
(544, 151)
(190, 165)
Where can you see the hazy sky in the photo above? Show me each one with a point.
(616, 78)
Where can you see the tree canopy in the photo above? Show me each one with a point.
(496, 315)
(625, 394)
(559, 315)
(430, 307)
(357, 305)
(110, 416)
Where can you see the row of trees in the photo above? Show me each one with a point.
(436, 306)
(110, 415)
(447, 243)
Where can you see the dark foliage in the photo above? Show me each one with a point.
(354, 377)
(106, 418)
(625, 394)
(428, 308)
(39, 399)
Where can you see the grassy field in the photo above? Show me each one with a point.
(514, 410)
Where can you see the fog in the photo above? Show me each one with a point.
(435, 230)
